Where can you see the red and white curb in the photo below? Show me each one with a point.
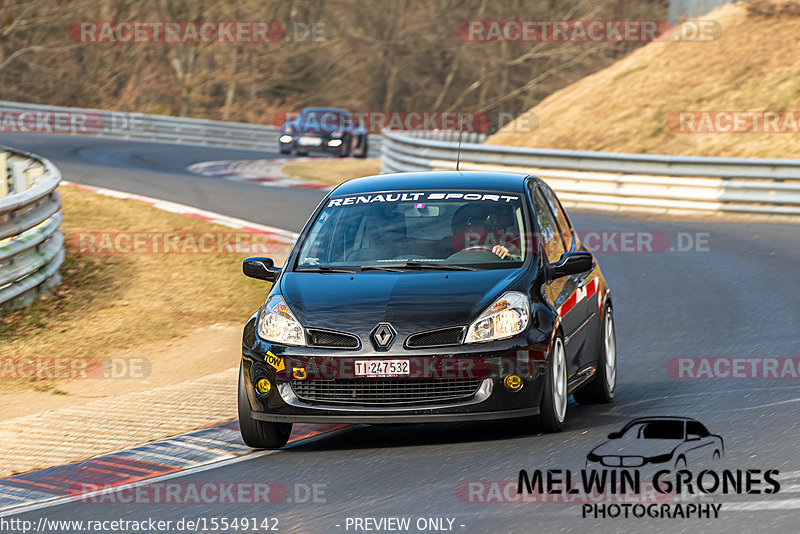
(266, 172)
(278, 234)
(158, 460)
(103, 475)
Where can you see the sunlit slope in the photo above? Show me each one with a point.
(634, 105)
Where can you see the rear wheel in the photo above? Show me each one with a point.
(255, 433)
(601, 388)
(553, 408)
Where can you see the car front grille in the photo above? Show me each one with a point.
(622, 461)
(385, 391)
(326, 338)
(436, 338)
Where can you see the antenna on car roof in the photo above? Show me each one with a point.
(460, 131)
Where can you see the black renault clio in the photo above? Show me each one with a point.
(428, 297)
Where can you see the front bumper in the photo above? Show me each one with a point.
(491, 400)
(327, 144)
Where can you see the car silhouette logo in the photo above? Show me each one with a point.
(674, 442)
(382, 336)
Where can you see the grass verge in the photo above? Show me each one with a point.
(332, 171)
(109, 303)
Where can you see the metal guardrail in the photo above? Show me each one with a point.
(31, 245)
(165, 129)
(616, 181)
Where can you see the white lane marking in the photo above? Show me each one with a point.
(205, 466)
(777, 403)
(698, 394)
(760, 506)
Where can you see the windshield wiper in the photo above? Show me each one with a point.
(327, 269)
(411, 264)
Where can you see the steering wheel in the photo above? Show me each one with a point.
(485, 248)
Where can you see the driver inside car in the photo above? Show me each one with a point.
(482, 228)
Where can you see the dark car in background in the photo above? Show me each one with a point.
(324, 130)
(428, 297)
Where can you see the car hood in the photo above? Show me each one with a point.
(410, 301)
(636, 447)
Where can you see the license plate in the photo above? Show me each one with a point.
(382, 367)
(310, 141)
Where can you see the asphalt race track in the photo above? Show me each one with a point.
(736, 297)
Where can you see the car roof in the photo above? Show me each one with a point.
(660, 418)
(435, 180)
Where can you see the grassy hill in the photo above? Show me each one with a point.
(753, 65)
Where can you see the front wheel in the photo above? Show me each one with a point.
(255, 433)
(553, 408)
(601, 388)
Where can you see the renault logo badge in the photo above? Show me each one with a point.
(382, 336)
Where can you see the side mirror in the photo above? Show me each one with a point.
(614, 435)
(692, 437)
(260, 269)
(571, 263)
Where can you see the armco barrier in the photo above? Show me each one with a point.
(31, 245)
(671, 184)
(165, 129)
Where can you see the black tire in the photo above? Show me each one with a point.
(549, 419)
(345, 151)
(600, 389)
(363, 153)
(285, 150)
(255, 433)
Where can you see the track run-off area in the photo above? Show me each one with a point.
(707, 327)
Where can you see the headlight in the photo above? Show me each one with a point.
(660, 459)
(279, 325)
(285, 138)
(507, 317)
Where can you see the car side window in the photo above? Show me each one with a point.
(697, 428)
(561, 218)
(548, 228)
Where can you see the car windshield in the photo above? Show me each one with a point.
(657, 430)
(325, 119)
(408, 230)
